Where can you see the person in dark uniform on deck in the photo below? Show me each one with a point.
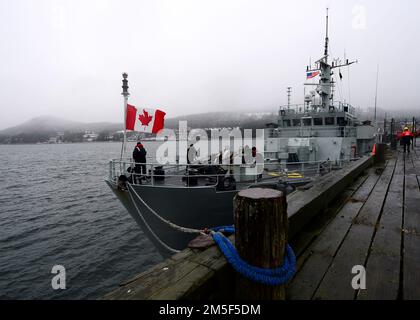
(139, 156)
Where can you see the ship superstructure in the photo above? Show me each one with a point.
(321, 128)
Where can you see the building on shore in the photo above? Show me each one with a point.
(90, 136)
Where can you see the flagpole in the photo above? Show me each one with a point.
(376, 99)
(125, 95)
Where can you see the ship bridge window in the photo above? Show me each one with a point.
(286, 123)
(296, 122)
(329, 121)
(307, 122)
(341, 121)
(317, 121)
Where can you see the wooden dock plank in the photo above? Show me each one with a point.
(416, 161)
(383, 265)
(336, 285)
(372, 208)
(412, 205)
(152, 282)
(354, 250)
(304, 206)
(411, 266)
(409, 165)
(400, 169)
(190, 284)
(319, 256)
(411, 259)
(305, 237)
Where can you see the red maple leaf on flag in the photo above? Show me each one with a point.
(145, 118)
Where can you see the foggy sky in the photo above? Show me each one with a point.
(65, 57)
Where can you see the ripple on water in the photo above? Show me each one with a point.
(61, 212)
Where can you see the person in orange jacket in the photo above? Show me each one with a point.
(406, 137)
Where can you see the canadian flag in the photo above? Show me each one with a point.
(144, 120)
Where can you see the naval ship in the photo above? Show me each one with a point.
(172, 202)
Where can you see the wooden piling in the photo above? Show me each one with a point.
(380, 153)
(261, 230)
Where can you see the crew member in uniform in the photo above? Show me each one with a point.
(139, 156)
(406, 138)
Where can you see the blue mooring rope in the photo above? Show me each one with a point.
(271, 277)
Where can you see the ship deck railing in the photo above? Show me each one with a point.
(303, 131)
(158, 174)
(303, 108)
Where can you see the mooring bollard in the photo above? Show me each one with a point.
(261, 228)
(380, 153)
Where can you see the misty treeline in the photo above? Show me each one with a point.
(224, 120)
(25, 138)
(46, 137)
(37, 132)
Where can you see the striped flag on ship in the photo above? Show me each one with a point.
(310, 75)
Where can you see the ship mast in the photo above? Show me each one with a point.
(324, 87)
(326, 42)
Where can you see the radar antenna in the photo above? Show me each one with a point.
(326, 41)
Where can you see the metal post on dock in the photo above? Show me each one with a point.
(380, 153)
(261, 231)
(393, 138)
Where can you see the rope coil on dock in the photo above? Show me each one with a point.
(270, 277)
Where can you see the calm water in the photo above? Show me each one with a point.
(55, 209)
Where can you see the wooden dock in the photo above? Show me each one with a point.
(362, 215)
(377, 226)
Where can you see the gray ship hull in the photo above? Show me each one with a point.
(196, 208)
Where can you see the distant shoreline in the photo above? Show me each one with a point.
(65, 143)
